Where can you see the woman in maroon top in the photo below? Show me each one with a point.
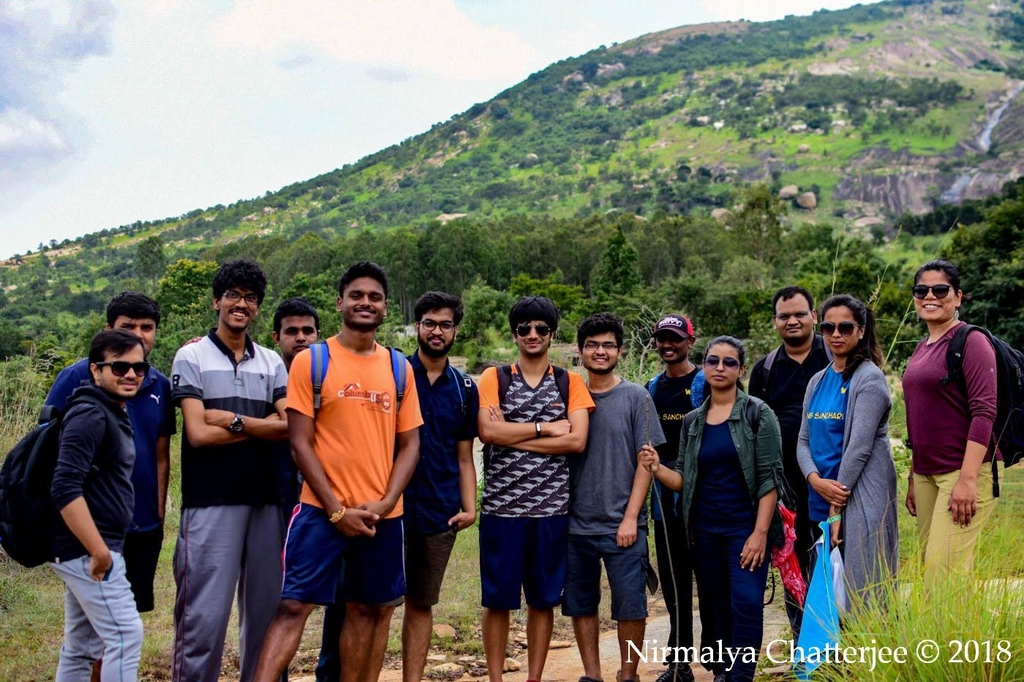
(949, 428)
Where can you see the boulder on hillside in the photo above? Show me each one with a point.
(803, 149)
(868, 221)
(807, 200)
(721, 215)
(789, 192)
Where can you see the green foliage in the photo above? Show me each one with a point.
(759, 225)
(991, 257)
(619, 269)
(150, 262)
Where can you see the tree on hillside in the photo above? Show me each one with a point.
(991, 257)
(150, 262)
(619, 269)
(758, 226)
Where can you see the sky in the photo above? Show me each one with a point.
(113, 111)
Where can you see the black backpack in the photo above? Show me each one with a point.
(1008, 433)
(27, 513)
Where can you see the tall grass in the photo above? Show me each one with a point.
(31, 601)
(975, 621)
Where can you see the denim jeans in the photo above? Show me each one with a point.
(735, 594)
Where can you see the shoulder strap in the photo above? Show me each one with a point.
(652, 385)
(562, 381)
(769, 360)
(697, 387)
(398, 370)
(504, 379)
(320, 356)
(463, 384)
(752, 413)
(955, 354)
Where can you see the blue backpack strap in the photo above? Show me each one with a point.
(652, 385)
(318, 360)
(398, 370)
(697, 389)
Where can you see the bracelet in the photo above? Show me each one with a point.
(337, 516)
(537, 424)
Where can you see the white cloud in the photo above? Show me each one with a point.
(426, 36)
(22, 133)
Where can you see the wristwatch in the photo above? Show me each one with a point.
(237, 425)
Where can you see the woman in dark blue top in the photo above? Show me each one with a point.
(729, 477)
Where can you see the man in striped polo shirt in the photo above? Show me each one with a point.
(231, 392)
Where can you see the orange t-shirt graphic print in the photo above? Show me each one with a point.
(354, 431)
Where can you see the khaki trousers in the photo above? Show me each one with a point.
(946, 547)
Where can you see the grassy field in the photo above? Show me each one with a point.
(31, 601)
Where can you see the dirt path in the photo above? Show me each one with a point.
(563, 665)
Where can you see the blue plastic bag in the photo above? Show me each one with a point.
(819, 631)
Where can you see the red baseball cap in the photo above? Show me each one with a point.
(678, 324)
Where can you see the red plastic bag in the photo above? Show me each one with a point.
(785, 559)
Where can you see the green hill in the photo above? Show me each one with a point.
(857, 118)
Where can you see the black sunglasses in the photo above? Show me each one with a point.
(939, 290)
(713, 360)
(119, 368)
(524, 329)
(845, 328)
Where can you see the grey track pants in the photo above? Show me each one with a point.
(100, 622)
(219, 548)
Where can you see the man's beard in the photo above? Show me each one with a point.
(435, 353)
(602, 371)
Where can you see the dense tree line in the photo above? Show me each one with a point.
(721, 276)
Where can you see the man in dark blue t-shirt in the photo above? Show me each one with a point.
(440, 500)
(151, 413)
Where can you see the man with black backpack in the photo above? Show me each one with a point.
(354, 429)
(153, 423)
(92, 489)
(532, 417)
(780, 379)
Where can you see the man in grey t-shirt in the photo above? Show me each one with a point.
(607, 518)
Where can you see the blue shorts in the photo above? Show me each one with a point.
(626, 576)
(522, 555)
(374, 568)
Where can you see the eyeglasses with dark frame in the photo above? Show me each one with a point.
(594, 345)
(234, 296)
(525, 329)
(119, 368)
(845, 328)
(938, 290)
(430, 325)
(713, 361)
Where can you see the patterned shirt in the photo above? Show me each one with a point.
(519, 483)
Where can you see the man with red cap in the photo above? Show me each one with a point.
(675, 391)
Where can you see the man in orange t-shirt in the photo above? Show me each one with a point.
(350, 509)
(524, 525)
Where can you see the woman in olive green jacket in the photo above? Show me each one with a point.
(729, 477)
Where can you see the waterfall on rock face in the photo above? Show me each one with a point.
(955, 193)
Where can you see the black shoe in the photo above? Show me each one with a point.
(676, 672)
